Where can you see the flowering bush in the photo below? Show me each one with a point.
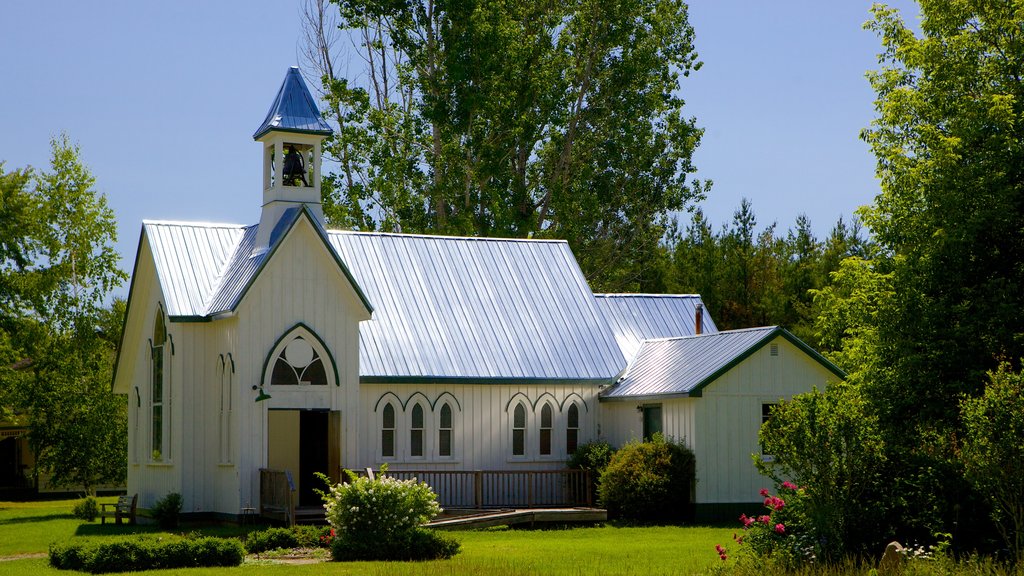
(382, 506)
(381, 519)
(783, 534)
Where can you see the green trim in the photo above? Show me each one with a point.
(697, 390)
(189, 318)
(304, 210)
(128, 307)
(270, 129)
(464, 380)
(432, 405)
(645, 398)
(725, 512)
(288, 332)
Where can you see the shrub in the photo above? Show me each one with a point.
(167, 510)
(380, 519)
(271, 539)
(783, 536)
(415, 544)
(649, 481)
(313, 536)
(146, 553)
(86, 509)
(594, 457)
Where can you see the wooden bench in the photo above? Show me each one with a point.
(125, 508)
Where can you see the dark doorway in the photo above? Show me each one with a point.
(10, 469)
(652, 421)
(312, 455)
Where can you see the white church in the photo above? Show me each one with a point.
(477, 364)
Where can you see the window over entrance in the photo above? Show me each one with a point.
(298, 363)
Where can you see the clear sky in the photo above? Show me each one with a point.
(163, 98)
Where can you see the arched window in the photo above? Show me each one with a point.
(387, 433)
(156, 389)
(545, 430)
(572, 429)
(416, 432)
(298, 363)
(444, 431)
(519, 430)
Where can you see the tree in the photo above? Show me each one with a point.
(993, 451)
(829, 444)
(556, 120)
(57, 339)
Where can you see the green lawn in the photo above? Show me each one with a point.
(27, 528)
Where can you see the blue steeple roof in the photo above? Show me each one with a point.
(294, 109)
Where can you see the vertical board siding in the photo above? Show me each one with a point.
(728, 418)
(482, 427)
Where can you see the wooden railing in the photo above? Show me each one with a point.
(504, 488)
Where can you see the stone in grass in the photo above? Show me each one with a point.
(892, 560)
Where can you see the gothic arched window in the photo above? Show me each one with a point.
(387, 433)
(298, 363)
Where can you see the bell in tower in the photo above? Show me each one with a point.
(292, 135)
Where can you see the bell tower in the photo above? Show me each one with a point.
(291, 134)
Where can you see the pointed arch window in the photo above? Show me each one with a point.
(519, 430)
(387, 433)
(444, 431)
(416, 432)
(572, 429)
(157, 400)
(545, 430)
(299, 364)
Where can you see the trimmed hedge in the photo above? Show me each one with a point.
(146, 553)
(298, 536)
(415, 544)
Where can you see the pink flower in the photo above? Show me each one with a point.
(776, 503)
(747, 521)
(789, 485)
(780, 528)
(766, 520)
(764, 492)
(724, 557)
(719, 549)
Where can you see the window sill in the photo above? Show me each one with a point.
(159, 464)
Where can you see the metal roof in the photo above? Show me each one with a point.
(294, 109)
(680, 366)
(476, 309)
(189, 258)
(670, 367)
(444, 308)
(634, 318)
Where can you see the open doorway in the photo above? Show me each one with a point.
(304, 442)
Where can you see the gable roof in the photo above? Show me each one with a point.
(476, 310)
(634, 318)
(445, 308)
(683, 367)
(206, 269)
(294, 109)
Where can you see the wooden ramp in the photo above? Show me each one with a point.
(521, 516)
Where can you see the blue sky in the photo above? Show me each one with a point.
(163, 98)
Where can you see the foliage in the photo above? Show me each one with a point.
(748, 276)
(167, 510)
(380, 519)
(57, 265)
(145, 553)
(415, 544)
(651, 480)
(298, 536)
(594, 457)
(557, 120)
(86, 509)
(783, 536)
(830, 443)
(993, 452)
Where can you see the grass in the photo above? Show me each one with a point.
(29, 528)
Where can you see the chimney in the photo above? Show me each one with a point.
(698, 320)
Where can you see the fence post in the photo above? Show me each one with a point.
(589, 488)
(478, 488)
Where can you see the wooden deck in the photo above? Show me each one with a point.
(521, 516)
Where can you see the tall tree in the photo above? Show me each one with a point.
(58, 266)
(511, 118)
